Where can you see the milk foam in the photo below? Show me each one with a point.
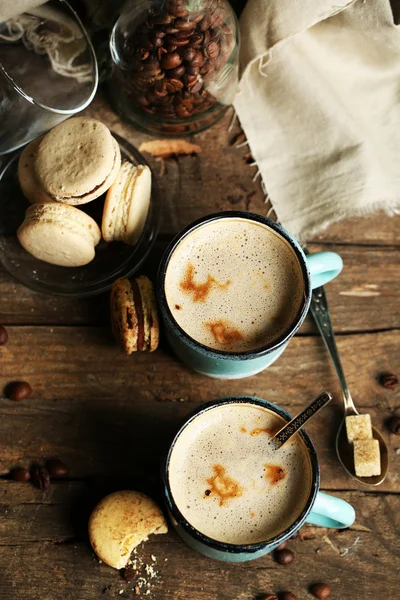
(234, 285)
(266, 489)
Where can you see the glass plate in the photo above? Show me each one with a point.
(112, 260)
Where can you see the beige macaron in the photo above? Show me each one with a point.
(77, 161)
(127, 204)
(30, 186)
(134, 316)
(122, 521)
(59, 234)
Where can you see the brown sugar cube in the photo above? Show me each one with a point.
(367, 458)
(358, 427)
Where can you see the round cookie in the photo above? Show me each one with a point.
(120, 522)
(77, 161)
(30, 186)
(134, 316)
(59, 234)
(127, 204)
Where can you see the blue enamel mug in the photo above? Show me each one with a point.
(317, 270)
(319, 508)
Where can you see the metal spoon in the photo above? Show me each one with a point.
(320, 312)
(291, 428)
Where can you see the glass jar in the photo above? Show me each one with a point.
(175, 64)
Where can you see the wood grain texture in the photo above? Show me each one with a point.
(364, 297)
(45, 554)
(98, 409)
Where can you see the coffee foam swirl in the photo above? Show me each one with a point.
(234, 285)
(231, 484)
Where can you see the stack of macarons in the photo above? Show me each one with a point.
(73, 164)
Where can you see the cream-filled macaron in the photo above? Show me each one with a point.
(127, 204)
(122, 521)
(59, 234)
(30, 186)
(77, 161)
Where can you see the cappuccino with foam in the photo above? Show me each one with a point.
(234, 284)
(229, 482)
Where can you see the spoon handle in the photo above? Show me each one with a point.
(297, 422)
(320, 311)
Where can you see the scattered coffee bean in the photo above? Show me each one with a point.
(389, 381)
(130, 574)
(322, 591)
(394, 425)
(284, 557)
(57, 468)
(20, 474)
(282, 546)
(3, 335)
(18, 390)
(40, 477)
(288, 596)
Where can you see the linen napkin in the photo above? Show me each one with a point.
(319, 102)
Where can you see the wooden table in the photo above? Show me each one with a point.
(108, 416)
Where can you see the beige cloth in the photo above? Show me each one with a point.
(319, 102)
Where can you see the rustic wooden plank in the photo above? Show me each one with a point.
(98, 409)
(45, 555)
(365, 297)
(220, 179)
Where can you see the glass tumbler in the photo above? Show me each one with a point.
(48, 71)
(175, 64)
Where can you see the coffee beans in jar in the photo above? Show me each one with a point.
(175, 64)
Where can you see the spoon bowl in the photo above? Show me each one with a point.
(344, 450)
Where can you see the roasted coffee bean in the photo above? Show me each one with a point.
(394, 425)
(20, 474)
(176, 83)
(205, 23)
(282, 546)
(177, 72)
(171, 30)
(183, 111)
(160, 52)
(212, 50)
(57, 468)
(284, 557)
(218, 17)
(169, 45)
(179, 42)
(188, 79)
(160, 89)
(170, 61)
(40, 477)
(143, 53)
(215, 35)
(18, 390)
(288, 596)
(188, 54)
(159, 33)
(196, 40)
(183, 35)
(204, 69)
(198, 60)
(3, 335)
(206, 38)
(192, 70)
(158, 42)
(184, 24)
(196, 87)
(177, 8)
(322, 591)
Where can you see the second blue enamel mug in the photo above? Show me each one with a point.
(317, 270)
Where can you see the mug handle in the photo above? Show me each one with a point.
(329, 511)
(323, 266)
